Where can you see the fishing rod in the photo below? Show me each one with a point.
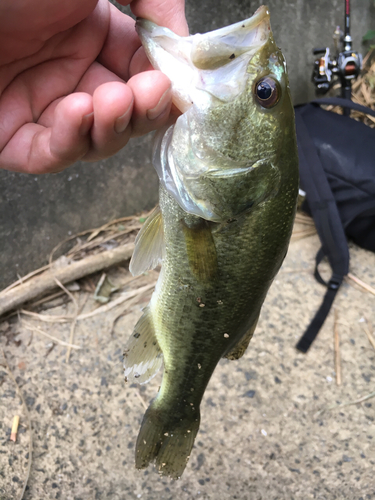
(345, 65)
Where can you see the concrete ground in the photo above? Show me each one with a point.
(261, 435)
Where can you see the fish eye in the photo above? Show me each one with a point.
(267, 92)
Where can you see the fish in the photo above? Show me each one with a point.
(228, 172)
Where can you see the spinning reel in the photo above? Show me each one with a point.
(345, 65)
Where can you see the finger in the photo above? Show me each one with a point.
(36, 149)
(121, 43)
(139, 63)
(113, 106)
(95, 76)
(152, 101)
(168, 13)
(70, 133)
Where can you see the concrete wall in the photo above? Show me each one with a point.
(38, 212)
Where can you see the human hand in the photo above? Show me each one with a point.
(73, 84)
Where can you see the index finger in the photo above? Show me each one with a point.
(167, 13)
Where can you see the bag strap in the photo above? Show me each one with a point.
(328, 224)
(345, 103)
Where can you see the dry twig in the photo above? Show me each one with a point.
(298, 235)
(361, 283)
(349, 403)
(64, 289)
(48, 298)
(41, 284)
(25, 278)
(304, 219)
(89, 245)
(141, 399)
(116, 302)
(47, 318)
(95, 233)
(300, 230)
(33, 328)
(13, 433)
(73, 326)
(369, 335)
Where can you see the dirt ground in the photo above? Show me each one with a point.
(261, 437)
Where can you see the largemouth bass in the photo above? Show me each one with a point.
(228, 174)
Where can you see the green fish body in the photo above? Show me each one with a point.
(228, 174)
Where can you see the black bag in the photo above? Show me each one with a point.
(337, 172)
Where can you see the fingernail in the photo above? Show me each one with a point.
(161, 106)
(123, 121)
(86, 123)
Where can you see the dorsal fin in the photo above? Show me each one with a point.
(149, 244)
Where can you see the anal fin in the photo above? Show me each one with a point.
(142, 354)
(149, 244)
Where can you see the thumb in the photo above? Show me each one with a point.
(168, 13)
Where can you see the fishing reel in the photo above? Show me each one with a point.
(345, 66)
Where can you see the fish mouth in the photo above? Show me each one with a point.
(237, 33)
(231, 41)
(204, 61)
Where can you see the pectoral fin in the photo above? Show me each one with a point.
(201, 250)
(149, 244)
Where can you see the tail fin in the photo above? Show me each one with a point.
(166, 439)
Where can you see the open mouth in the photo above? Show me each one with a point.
(214, 62)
